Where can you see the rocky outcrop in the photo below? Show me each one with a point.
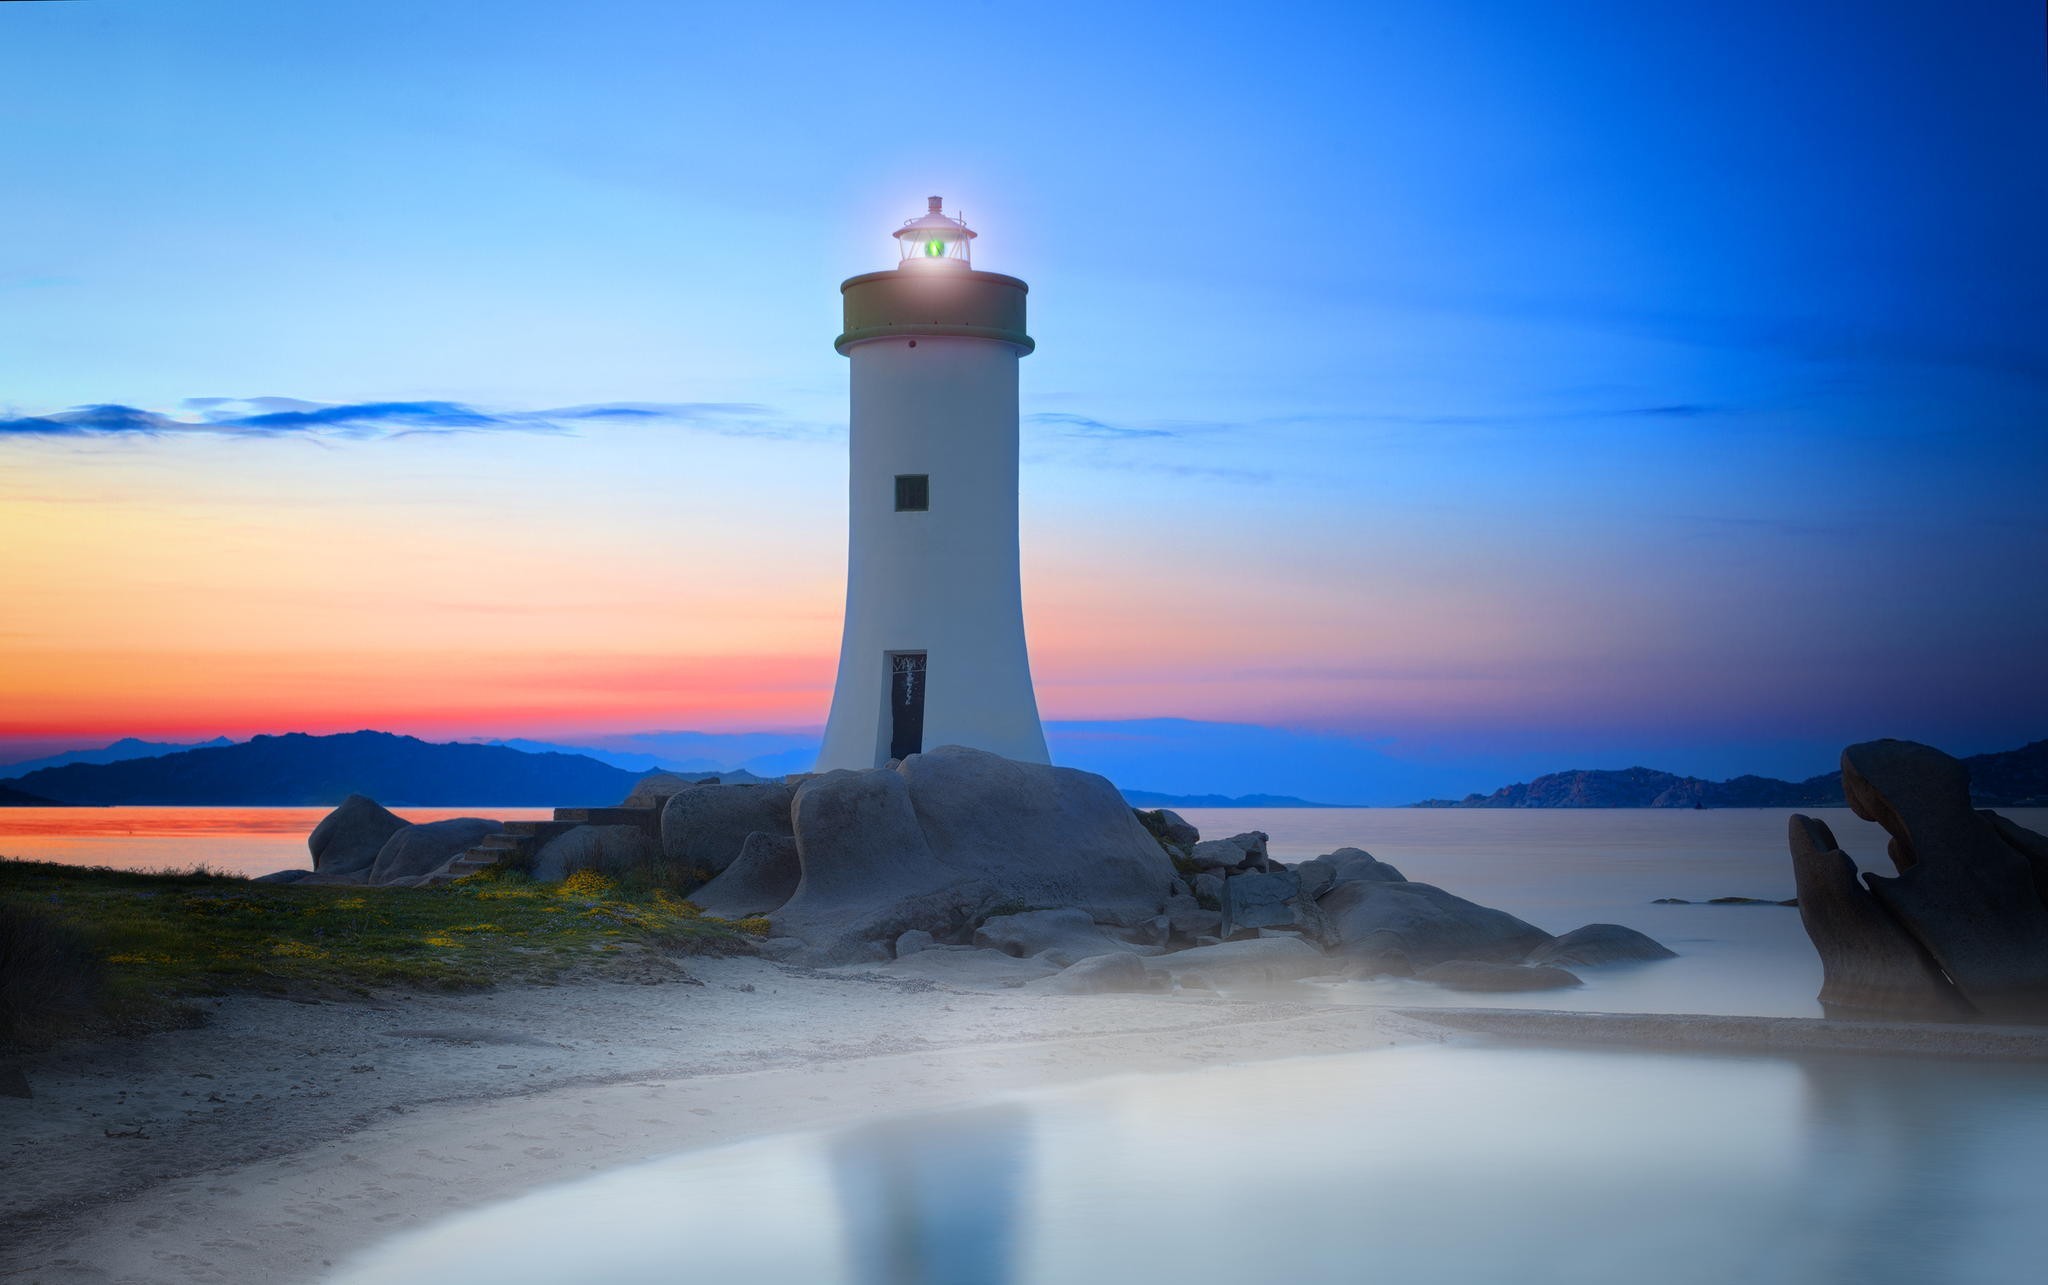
(760, 881)
(1057, 936)
(1320, 874)
(703, 828)
(1245, 851)
(1273, 900)
(1174, 833)
(422, 849)
(1259, 961)
(1870, 965)
(1598, 944)
(1968, 895)
(1423, 923)
(1482, 975)
(607, 849)
(348, 839)
(949, 837)
(1101, 975)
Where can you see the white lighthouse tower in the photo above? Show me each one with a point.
(933, 648)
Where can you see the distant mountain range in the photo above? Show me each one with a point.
(319, 771)
(1149, 799)
(128, 747)
(2008, 778)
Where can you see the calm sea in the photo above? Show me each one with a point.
(1557, 869)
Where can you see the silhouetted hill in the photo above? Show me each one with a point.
(301, 770)
(13, 798)
(1149, 799)
(2008, 778)
(128, 747)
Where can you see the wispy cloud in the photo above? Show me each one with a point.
(1083, 426)
(287, 416)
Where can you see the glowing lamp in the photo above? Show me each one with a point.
(935, 239)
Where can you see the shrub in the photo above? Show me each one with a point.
(49, 976)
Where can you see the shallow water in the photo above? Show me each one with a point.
(249, 841)
(1413, 1164)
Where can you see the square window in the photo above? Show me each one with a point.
(913, 492)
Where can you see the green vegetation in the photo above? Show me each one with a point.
(132, 949)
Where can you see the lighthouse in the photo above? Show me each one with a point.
(932, 652)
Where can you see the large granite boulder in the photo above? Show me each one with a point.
(607, 849)
(1172, 831)
(1483, 975)
(1245, 851)
(1057, 936)
(424, 848)
(705, 827)
(1101, 975)
(1275, 900)
(758, 882)
(1870, 965)
(1258, 961)
(348, 839)
(1597, 944)
(1320, 874)
(1966, 894)
(1423, 923)
(947, 838)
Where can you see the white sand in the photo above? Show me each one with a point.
(282, 1138)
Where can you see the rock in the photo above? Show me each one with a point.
(704, 828)
(282, 876)
(1245, 851)
(1480, 975)
(968, 966)
(1173, 833)
(1260, 961)
(950, 836)
(1870, 966)
(1965, 894)
(1209, 890)
(1323, 873)
(1186, 920)
(1424, 923)
(657, 788)
(1273, 900)
(422, 849)
(2034, 847)
(608, 849)
(1057, 936)
(1597, 944)
(1100, 974)
(758, 882)
(912, 942)
(348, 839)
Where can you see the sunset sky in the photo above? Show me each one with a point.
(1475, 387)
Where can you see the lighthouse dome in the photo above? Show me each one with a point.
(935, 239)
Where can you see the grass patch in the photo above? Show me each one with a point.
(143, 945)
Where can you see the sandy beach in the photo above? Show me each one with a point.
(283, 1137)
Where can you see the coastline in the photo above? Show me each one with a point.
(284, 1137)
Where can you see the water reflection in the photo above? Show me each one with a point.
(1423, 1164)
(933, 1201)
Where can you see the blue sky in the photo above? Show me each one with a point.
(1493, 383)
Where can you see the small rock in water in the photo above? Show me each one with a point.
(1600, 944)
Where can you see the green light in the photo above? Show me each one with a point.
(935, 249)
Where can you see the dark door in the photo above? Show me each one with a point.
(906, 704)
